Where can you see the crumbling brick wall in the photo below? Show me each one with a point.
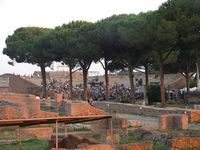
(185, 143)
(21, 106)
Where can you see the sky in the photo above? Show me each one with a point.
(51, 13)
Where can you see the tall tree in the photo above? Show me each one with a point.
(134, 38)
(105, 37)
(82, 49)
(164, 44)
(31, 45)
(66, 44)
(185, 13)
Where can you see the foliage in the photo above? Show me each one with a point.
(157, 145)
(32, 45)
(23, 46)
(127, 139)
(154, 93)
(193, 83)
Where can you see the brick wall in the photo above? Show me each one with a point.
(7, 112)
(174, 121)
(185, 143)
(26, 100)
(134, 146)
(81, 109)
(195, 116)
(21, 106)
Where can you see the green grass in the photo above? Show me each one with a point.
(26, 145)
(159, 146)
(127, 139)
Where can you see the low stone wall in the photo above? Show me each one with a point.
(185, 143)
(81, 109)
(40, 133)
(110, 107)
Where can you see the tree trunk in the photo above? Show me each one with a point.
(44, 83)
(106, 82)
(162, 85)
(131, 79)
(187, 77)
(71, 83)
(146, 83)
(85, 74)
(198, 69)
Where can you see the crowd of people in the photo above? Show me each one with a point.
(58, 86)
(117, 92)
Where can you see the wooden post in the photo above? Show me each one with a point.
(56, 134)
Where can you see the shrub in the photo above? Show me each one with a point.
(153, 93)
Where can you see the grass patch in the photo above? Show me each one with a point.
(159, 146)
(26, 145)
(127, 139)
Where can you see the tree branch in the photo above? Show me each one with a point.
(102, 64)
(76, 70)
(167, 55)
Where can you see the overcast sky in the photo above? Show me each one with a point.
(51, 13)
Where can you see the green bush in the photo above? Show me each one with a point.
(193, 83)
(153, 93)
